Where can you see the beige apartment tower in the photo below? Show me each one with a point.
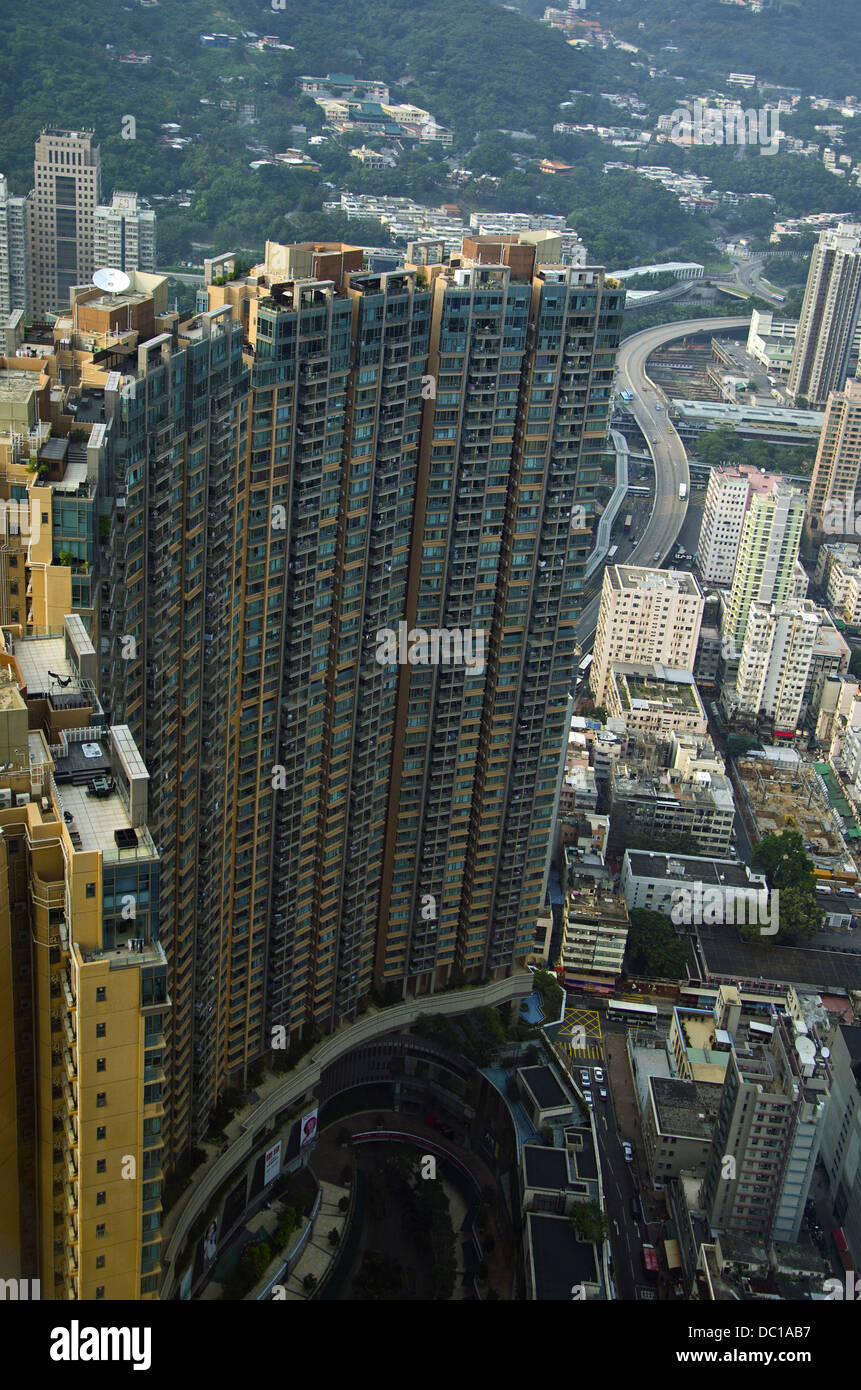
(645, 616)
(829, 316)
(832, 502)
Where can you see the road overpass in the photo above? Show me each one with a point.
(666, 448)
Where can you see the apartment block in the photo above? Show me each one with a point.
(841, 1137)
(83, 983)
(726, 502)
(124, 234)
(677, 1124)
(770, 1125)
(14, 259)
(654, 699)
(765, 570)
(260, 494)
(692, 793)
(832, 503)
(829, 316)
(838, 574)
(708, 657)
(594, 937)
(355, 792)
(67, 191)
(774, 667)
(831, 654)
(645, 616)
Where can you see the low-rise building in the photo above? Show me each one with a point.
(678, 1125)
(654, 699)
(594, 936)
(692, 793)
(655, 881)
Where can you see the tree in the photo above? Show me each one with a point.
(783, 860)
(653, 948)
(588, 1222)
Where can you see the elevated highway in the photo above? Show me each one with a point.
(649, 408)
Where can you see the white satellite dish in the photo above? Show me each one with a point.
(110, 280)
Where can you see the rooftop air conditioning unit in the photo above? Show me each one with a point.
(22, 798)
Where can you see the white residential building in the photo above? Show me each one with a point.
(124, 234)
(765, 571)
(723, 516)
(654, 880)
(775, 661)
(645, 616)
(14, 273)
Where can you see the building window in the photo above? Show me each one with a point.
(91, 890)
(101, 1064)
(100, 1262)
(101, 1165)
(101, 994)
(101, 1198)
(100, 1291)
(101, 1029)
(101, 1132)
(101, 1098)
(100, 1230)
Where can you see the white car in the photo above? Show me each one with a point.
(602, 1093)
(587, 1096)
(599, 1075)
(627, 1151)
(584, 1076)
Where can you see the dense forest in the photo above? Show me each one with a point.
(797, 42)
(482, 69)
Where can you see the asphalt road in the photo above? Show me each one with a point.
(664, 444)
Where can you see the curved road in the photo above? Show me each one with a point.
(667, 450)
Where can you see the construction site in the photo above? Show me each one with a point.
(780, 790)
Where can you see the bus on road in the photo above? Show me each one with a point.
(632, 1013)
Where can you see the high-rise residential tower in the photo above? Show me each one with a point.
(775, 662)
(645, 616)
(321, 536)
(833, 503)
(829, 315)
(767, 1137)
(124, 234)
(727, 497)
(67, 191)
(353, 615)
(14, 265)
(765, 570)
(83, 984)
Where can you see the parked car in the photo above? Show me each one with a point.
(602, 1093)
(599, 1075)
(627, 1151)
(587, 1096)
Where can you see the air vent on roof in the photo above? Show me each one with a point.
(126, 839)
